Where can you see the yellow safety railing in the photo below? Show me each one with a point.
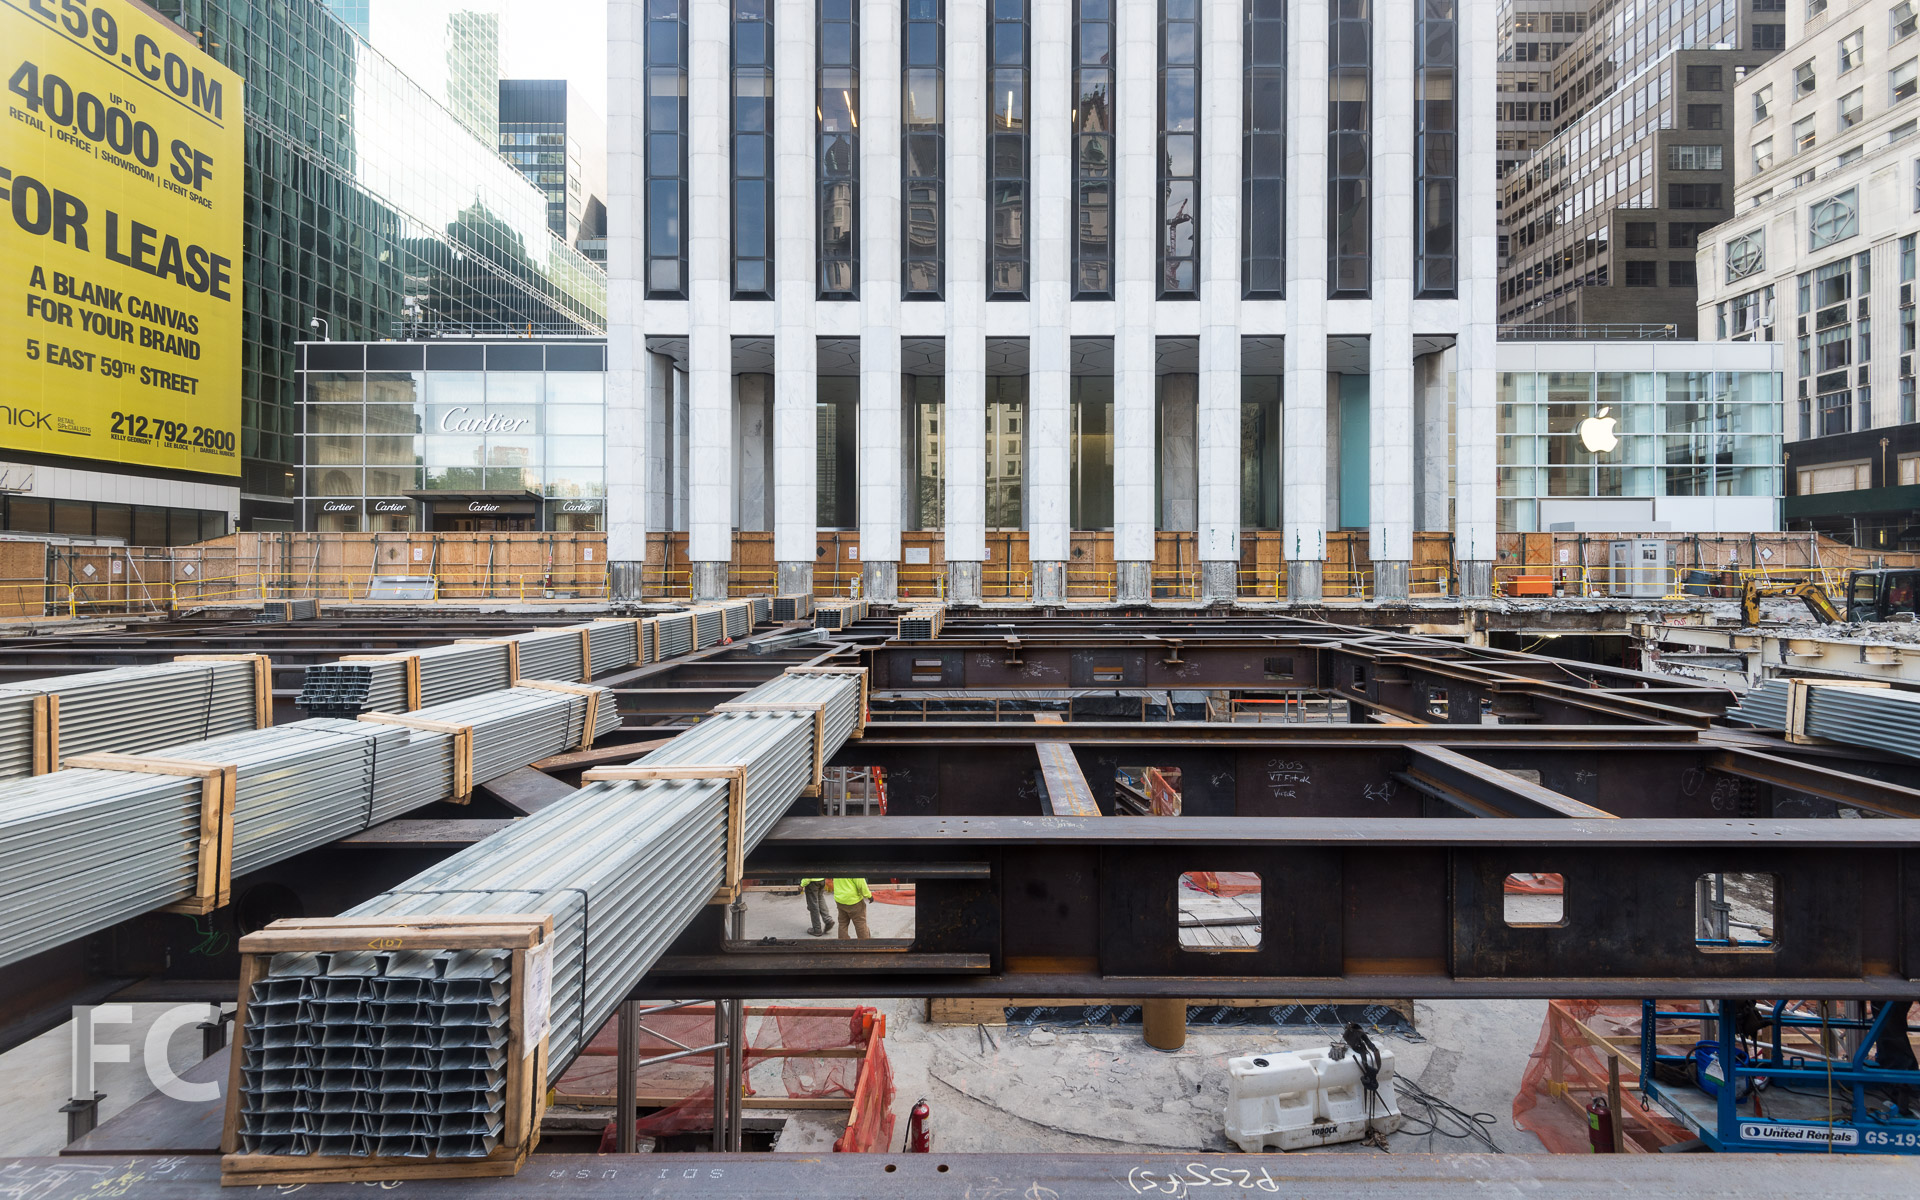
(751, 581)
(1091, 583)
(1014, 583)
(1346, 583)
(665, 584)
(1260, 585)
(1429, 581)
(921, 583)
(1180, 584)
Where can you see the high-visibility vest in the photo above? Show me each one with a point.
(851, 891)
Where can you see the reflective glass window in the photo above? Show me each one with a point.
(923, 137)
(1436, 148)
(837, 117)
(752, 223)
(1179, 243)
(1349, 148)
(1007, 149)
(1263, 152)
(1093, 34)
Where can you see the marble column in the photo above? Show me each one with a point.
(879, 506)
(709, 341)
(1217, 415)
(630, 369)
(1136, 291)
(964, 432)
(1049, 357)
(1390, 345)
(1303, 438)
(795, 352)
(1476, 377)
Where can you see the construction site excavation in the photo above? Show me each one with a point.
(1603, 885)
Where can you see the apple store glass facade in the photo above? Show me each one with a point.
(453, 436)
(370, 206)
(1635, 434)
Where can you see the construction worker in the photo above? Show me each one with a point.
(851, 895)
(819, 916)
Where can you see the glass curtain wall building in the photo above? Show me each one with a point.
(372, 210)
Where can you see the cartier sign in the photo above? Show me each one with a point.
(482, 506)
(459, 420)
(339, 506)
(390, 506)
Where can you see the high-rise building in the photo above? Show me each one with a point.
(1821, 255)
(1141, 286)
(451, 48)
(1627, 154)
(372, 212)
(559, 143)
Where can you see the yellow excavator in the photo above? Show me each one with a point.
(1872, 595)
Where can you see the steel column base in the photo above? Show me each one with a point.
(963, 582)
(1049, 582)
(880, 581)
(709, 581)
(1219, 581)
(623, 582)
(1136, 582)
(1390, 580)
(1303, 580)
(795, 578)
(1163, 1023)
(1476, 578)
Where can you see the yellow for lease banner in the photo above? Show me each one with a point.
(122, 177)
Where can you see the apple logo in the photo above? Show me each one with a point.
(1596, 433)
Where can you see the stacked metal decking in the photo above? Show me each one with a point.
(305, 784)
(623, 865)
(615, 646)
(130, 709)
(516, 726)
(399, 1054)
(457, 671)
(552, 654)
(277, 611)
(922, 624)
(1764, 706)
(347, 689)
(709, 625)
(794, 607)
(838, 614)
(1878, 718)
(762, 610)
(674, 632)
(81, 850)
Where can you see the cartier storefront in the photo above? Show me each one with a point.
(453, 436)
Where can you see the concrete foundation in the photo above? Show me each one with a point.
(709, 581)
(794, 578)
(1135, 582)
(1390, 580)
(1476, 578)
(1219, 581)
(963, 582)
(1303, 581)
(623, 582)
(880, 581)
(1049, 582)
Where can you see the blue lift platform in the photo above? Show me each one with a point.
(1774, 1098)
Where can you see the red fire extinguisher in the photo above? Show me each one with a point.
(1600, 1126)
(920, 1129)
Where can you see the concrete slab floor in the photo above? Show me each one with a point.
(36, 1078)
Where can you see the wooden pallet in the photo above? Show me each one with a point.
(528, 937)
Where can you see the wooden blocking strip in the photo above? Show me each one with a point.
(527, 937)
(213, 878)
(262, 681)
(46, 733)
(819, 710)
(860, 725)
(1067, 790)
(513, 654)
(462, 747)
(412, 659)
(590, 691)
(735, 776)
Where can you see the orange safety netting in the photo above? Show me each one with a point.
(1527, 884)
(1224, 883)
(793, 1054)
(1589, 1048)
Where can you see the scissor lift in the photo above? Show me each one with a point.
(1826, 1094)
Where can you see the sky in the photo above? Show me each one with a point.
(558, 39)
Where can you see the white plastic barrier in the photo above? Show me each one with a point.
(1298, 1099)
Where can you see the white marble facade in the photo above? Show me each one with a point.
(1429, 361)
